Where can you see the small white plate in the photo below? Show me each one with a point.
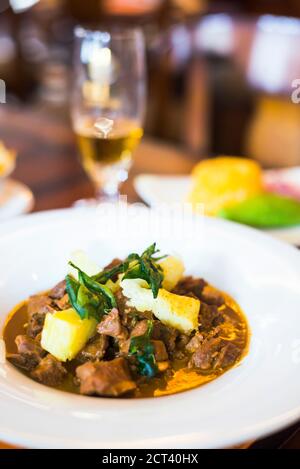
(15, 199)
(173, 190)
(155, 189)
(258, 397)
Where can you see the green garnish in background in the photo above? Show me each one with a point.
(142, 348)
(265, 210)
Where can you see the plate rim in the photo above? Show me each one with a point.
(282, 421)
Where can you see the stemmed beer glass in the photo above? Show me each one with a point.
(108, 104)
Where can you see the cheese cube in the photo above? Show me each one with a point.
(65, 333)
(179, 312)
(173, 269)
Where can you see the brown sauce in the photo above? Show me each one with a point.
(177, 379)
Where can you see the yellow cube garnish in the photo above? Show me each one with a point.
(180, 312)
(220, 182)
(65, 333)
(173, 269)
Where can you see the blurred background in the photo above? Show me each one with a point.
(219, 72)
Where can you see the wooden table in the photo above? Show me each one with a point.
(47, 163)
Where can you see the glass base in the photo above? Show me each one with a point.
(81, 203)
(102, 198)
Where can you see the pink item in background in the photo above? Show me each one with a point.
(283, 181)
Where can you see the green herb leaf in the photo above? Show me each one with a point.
(150, 251)
(105, 275)
(96, 288)
(89, 296)
(142, 348)
(84, 302)
(146, 268)
(153, 274)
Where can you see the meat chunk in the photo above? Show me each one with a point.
(209, 317)
(190, 286)
(211, 296)
(161, 333)
(58, 291)
(167, 334)
(111, 325)
(227, 356)
(49, 371)
(124, 346)
(63, 303)
(129, 316)
(35, 324)
(114, 263)
(28, 346)
(140, 328)
(29, 353)
(194, 343)
(38, 304)
(160, 351)
(38, 307)
(21, 361)
(232, 317)
(215, 353)
(206, 353)
(95, 349)
(182, 341)
(110, 378)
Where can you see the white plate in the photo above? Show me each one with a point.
(173, 190)
(155, 189)
(15, 199)
(259, 396)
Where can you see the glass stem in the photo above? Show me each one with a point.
(107, 181)
(108, 192)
